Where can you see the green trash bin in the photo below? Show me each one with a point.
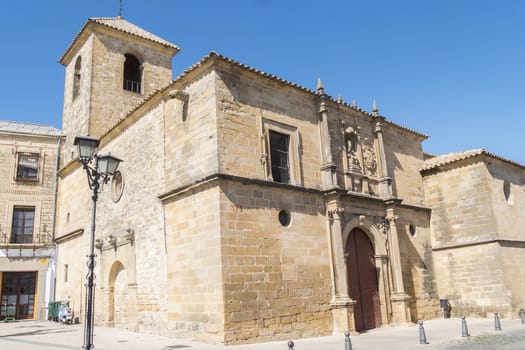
(52, 310)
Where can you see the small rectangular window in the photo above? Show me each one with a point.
(279, 149)
(23, 225)
(66, 272)
(27, 166)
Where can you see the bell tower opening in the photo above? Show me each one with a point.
(76, 77)
(132, 74)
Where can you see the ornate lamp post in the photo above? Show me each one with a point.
(99, 170)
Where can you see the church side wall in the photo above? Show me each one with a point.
(277, 282)
(413, 227)
(404, 156)
(472, 278)
(460, 199)
(463, 233)
(138, 212)
(514, 265)
(508, 196)
(191, 134)
(194, 265)
(247, 108)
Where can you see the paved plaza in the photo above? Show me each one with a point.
(440, 334)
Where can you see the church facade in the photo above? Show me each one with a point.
(248, 208)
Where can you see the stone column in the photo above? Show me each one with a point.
(385, 182)
(384, 287)
(400, 309)
(328, 167)
(342, 306)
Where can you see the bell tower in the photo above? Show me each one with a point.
(111, 66)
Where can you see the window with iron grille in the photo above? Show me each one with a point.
(27, 166)
(279, 149)
(23, 224)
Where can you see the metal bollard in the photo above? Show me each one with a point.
(422, 336)
(290, 345)
(522, 316)
(348, 343)
(464, 329)
(497, 324)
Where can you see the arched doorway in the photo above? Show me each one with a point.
(118, 302)
(363, 280)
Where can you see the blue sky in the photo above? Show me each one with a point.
(451, 69)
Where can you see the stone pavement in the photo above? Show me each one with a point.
(440, 333)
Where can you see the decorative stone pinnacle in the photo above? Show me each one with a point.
(339, 98)
(375, 110)
(320, 86)
(354, 104)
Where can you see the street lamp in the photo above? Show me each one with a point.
(99, 170)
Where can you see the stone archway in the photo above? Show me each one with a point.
(118, 298)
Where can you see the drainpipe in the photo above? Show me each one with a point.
(54, 254)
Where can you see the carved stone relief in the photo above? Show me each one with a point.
(369, 157)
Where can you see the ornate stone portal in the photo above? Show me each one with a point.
(382, 232)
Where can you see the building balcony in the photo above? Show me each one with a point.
(10, 240)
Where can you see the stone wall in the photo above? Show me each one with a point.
(277, 282)
(476, 235)
(191, 143)
(195, 265)
(138, 212)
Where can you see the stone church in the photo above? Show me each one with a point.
(249, 208)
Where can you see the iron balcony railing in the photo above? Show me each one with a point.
(7, 236)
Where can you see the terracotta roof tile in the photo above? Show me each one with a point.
(448, 158)
(286, 82)
(120, 24)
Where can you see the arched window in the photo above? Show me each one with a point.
(76, 77)
(132, 74)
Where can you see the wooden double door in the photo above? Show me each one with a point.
(363, 280)
(18, 290)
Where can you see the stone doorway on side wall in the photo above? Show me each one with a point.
(363, 280)
(118, 297)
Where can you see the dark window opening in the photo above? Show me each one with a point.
(132, 74)
(76, 77)
(23, 224)
(279, 146)
(285, 217)
(27, 167)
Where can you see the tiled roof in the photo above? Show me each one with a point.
(286, 82)
(28, 128)
(448, 158)
(124, 26)
(215, 55)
